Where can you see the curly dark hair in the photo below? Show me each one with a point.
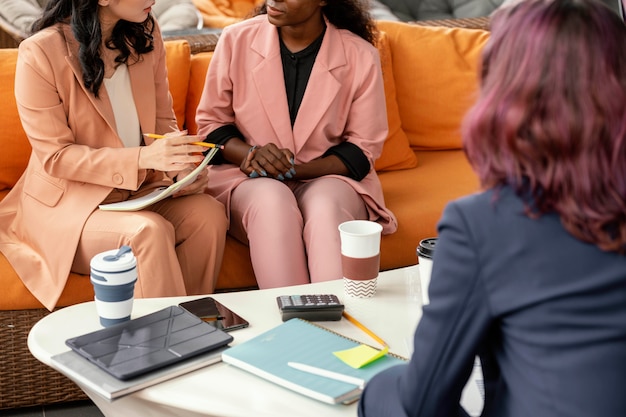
(82, 16)
(352, 15)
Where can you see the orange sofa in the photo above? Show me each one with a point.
(430, 76)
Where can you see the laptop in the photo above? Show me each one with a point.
(136, 347)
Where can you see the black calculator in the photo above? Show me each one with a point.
(312, 307)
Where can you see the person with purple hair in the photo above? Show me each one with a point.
(530, 274)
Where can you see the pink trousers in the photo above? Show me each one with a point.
(178, 242)
(291, 227)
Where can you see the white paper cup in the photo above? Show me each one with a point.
(425, 252)
(360, 257)
(113, 275)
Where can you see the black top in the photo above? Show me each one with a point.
(296, 71)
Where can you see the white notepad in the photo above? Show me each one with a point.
(161, 192)
(90, 376)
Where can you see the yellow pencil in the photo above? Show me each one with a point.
(205, 144)
(208, 145)
(365, 329)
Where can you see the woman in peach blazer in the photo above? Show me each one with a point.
(84, 154)
(300, 108)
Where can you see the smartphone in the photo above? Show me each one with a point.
(215, 313)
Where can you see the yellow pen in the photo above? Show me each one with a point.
(365, 329)
(205, 144)
(208, 145)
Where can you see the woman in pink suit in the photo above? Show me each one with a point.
(89, 82)
(296, 96)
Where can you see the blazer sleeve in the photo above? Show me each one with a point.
(366, 125)
(215, 108)
(447, 339)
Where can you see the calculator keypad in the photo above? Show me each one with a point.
(314, 307)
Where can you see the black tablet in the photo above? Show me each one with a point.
(138, 346)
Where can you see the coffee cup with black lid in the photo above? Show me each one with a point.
(425, 252)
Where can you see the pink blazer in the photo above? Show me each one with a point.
(344, 101)
(77, 157)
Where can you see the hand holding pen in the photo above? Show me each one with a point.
(176, 153)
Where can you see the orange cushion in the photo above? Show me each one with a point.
(197, 77)
(178, 57)
(436, 75)
(15, 296)
(15, 146)
(418, 196)
(397, 153)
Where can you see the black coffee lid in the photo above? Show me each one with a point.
(426, 248)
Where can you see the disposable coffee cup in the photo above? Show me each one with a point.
(360, 257)
(425, 252)
(113, 275)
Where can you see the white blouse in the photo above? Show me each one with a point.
(121, 96)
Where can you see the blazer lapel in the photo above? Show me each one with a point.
(322, 87)
(270, 83)
(101, 104)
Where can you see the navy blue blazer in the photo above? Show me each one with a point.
(545, 312)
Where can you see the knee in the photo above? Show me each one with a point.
(272, 201)
(323, 207)
(153, 228)
(331, 200)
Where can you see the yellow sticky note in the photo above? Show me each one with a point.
(361, 355)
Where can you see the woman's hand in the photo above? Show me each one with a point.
(174, 153)
(198, 186)
(269, 161)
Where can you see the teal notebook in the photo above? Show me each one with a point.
(267, 355)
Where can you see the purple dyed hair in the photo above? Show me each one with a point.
(550, 119)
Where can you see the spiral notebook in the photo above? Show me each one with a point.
(269, 354)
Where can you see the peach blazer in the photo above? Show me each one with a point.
(344, 101)
(77, 157)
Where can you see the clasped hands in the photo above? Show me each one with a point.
(269, 161)
(176, 156)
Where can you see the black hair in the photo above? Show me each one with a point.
(82, 16)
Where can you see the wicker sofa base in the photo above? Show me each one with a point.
(24, 381)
